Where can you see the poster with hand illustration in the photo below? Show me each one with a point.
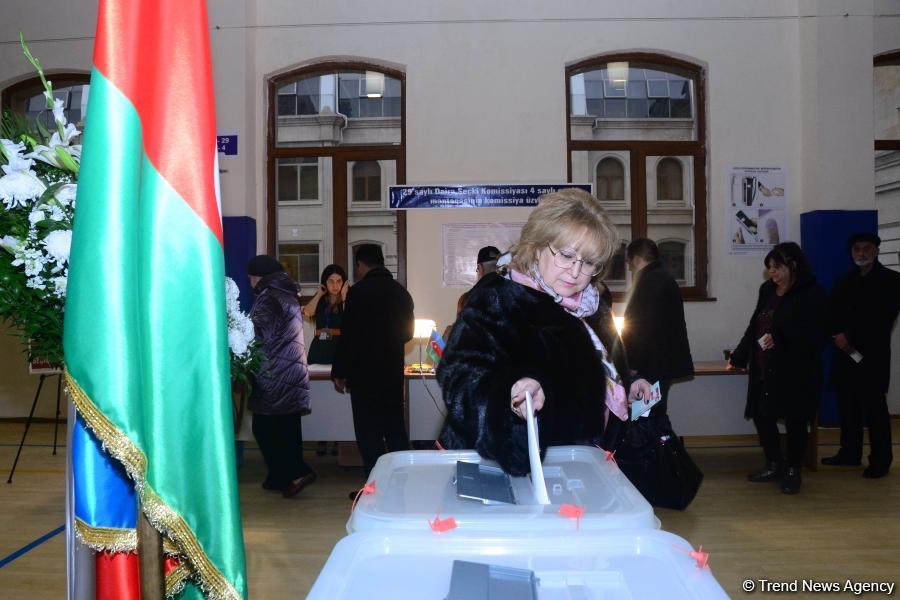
(757, 210)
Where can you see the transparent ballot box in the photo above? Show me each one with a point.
(612, 565)
(412, 489)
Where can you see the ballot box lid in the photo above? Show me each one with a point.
(616, 564)
(409, 490)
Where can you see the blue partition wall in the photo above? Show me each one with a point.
(240, 247)
(823, 236)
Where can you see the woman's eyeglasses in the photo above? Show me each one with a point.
(566, 259)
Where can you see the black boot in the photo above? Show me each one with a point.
(770, 472)
(790, 484)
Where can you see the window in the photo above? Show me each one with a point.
(28, 97)
(335, 142)
(615, 276)
(610, 182)
(367, 181)
(301, 261)
(636, 128)
(298, 179)
(669, 185)
(887, 155)
(671, 255)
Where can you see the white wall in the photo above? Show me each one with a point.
(788, 84)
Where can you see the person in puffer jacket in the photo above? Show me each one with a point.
(280, 394)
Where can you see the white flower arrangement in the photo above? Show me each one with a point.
(245, 352)
(38, 179)
(38, 184)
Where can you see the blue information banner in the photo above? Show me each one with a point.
(503, 195)
(227, 144)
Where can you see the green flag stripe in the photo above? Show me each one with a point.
(146, 336)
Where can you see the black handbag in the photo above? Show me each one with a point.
(653, 458)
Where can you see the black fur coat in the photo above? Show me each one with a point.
(507, 331)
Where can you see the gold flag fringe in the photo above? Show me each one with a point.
(160, 515)
(110, 539)
(176, 579)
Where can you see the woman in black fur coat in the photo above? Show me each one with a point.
(782, 346)
(540, 326)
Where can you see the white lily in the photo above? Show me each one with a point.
(59, 114)
(10, 243)
(13, 153)
(65, 195)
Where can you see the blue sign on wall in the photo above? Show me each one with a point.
(227, 144)
(504, 195)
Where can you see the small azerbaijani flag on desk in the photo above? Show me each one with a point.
(435, 346)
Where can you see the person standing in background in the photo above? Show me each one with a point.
(378, 321)
(655, 333)
(783, 346)
(864, 306)
(326, 310)
(486, 262)
(280, 395)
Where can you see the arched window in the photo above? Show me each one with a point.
(887, 154)
(647, 110)
(610, 180)
(671, 255)
(366, 181)
(28, 97)
(336, 139)
(669, 180)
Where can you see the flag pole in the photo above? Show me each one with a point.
(150, 554)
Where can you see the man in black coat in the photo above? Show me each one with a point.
(864, 306)
(369, 360)
(655, 334)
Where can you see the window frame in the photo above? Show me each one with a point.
(639, 151)
(340, 156)
(318, 245)
(887, 58)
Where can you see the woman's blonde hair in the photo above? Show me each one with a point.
(560, 219)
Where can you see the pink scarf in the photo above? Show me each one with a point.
(583, 304)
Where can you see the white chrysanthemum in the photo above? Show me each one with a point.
(36, 216)
(237, 343)
(18, 187)
(10, 243)
(231, 289)
(58, 244)
(240, 327)
(57, 214)
(59, 285)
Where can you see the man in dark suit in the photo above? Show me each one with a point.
(655, 334)
(369, 359)
(864, 306)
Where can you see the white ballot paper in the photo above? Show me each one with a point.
(534, 453)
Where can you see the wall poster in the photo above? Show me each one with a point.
(757, 211)
(461, 243)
